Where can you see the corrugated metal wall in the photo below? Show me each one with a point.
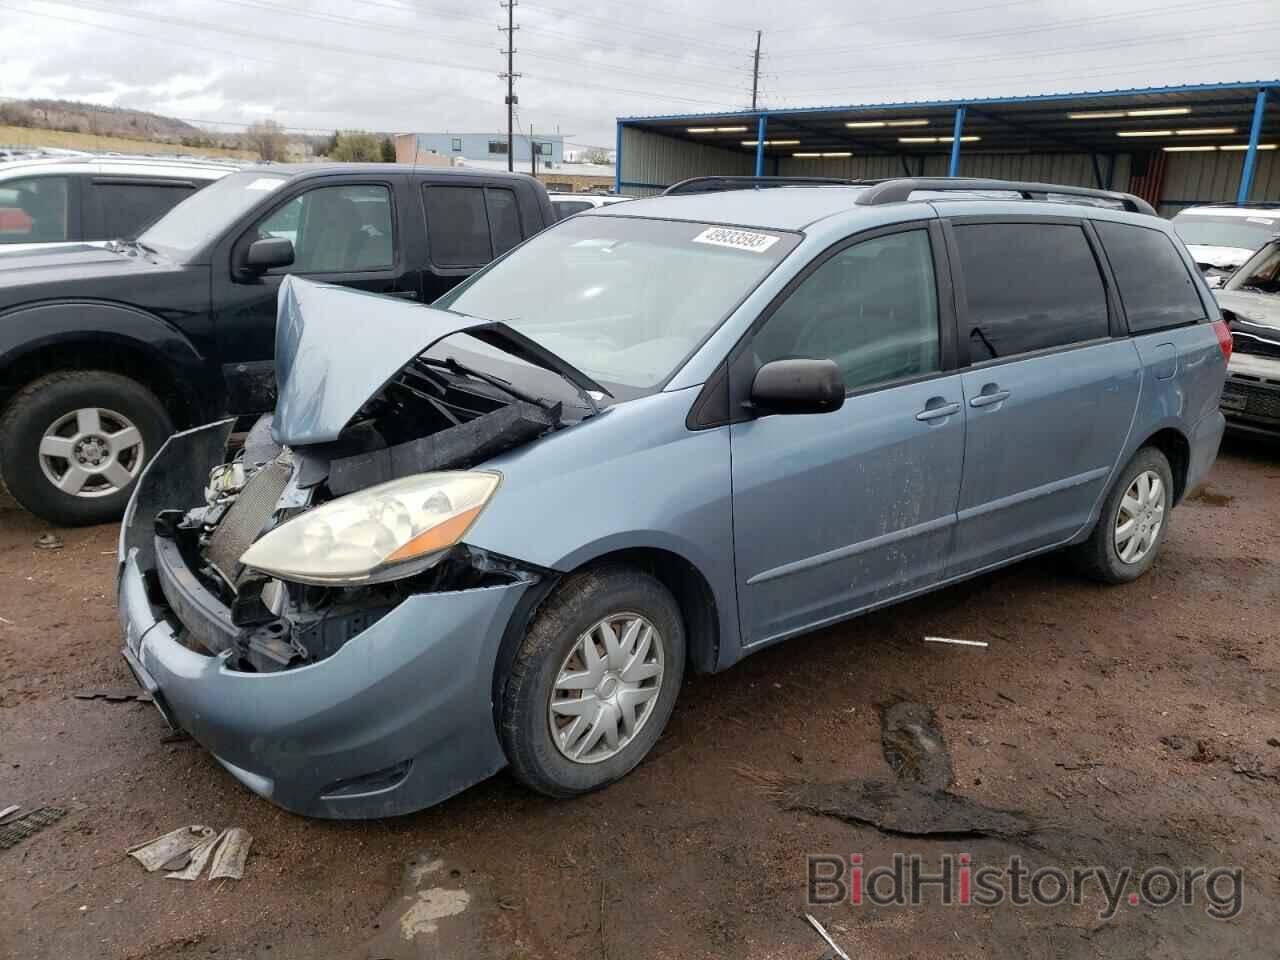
(651, 161)
(1215, 177)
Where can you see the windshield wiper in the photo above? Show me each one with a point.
(462, 370)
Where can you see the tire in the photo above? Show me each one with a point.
(107, 425)
(621, 595)
(1099, 557)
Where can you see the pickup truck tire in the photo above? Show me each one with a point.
(565, 734)
(1133, 523)
(73, 443)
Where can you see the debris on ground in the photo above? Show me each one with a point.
(909, 809)
(121, 695)
(913, 745)
(186, 850)
(8, 810)
(835, 948)
(19, 828)
(49, 541)
(958, 643)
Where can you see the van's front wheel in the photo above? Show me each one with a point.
(594, 682)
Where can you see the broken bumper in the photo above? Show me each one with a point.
(1251, 394)
(400, 718)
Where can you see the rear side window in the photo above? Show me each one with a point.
(126, 209)
(1155, 286)
(504, 219)
(1029, 286)
(33, 210)
(567, 208)
(457, 227)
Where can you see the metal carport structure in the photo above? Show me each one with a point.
(1173, 146)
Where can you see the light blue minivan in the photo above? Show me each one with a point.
(656, 437)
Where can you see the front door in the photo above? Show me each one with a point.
(342, 232)
(1050, 392)
(838, 511)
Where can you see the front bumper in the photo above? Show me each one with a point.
(1251, 394)
(400, 718)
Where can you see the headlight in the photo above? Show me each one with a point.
(389, 531)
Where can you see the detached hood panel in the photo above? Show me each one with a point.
(336, 348)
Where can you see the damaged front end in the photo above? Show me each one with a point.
(325, 559)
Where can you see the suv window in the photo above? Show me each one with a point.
(33, 210)
(872, 308)
(343, 229)
(469, 226)
(567, 208)
(1155, 286)
(126, 209)
(1029, 286)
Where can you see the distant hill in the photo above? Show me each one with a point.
(103, 121)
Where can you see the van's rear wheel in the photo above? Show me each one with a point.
(594, 682)
(73, 444)
(1133, 523)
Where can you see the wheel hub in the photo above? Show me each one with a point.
(90, 451)
(1139, 517)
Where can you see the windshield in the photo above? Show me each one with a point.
(624, 300)
(1261, 274)
(206, 213)
(1244, 233)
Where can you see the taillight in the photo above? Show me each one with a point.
(1224, 337)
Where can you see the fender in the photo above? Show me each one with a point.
(31, 328)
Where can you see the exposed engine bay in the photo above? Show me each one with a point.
(434, 415)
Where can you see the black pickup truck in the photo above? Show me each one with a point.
(104, 352)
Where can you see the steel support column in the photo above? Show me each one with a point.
(761, 123)
(617, 160)
(957, 131)
(1251, 155)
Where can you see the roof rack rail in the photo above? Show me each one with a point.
(716, 184)
(894, 191)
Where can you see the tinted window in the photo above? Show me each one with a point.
(33, 210)
(126, 209)
(1155, 285)
(336, 229)
(457, 229)
(567, 208)
(1029, 286)
(504, 219)
(872, 308)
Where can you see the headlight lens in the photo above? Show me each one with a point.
(389, 531)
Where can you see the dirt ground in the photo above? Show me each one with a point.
(1137, 723)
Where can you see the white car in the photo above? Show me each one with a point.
(567, 204)
(1222, 236)
(93, 199)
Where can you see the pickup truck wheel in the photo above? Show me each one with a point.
(594, 682)
(72, 444)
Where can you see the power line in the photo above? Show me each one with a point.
(914, 18)
(612, 24)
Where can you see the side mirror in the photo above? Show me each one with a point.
(264, 255)
(798, 386)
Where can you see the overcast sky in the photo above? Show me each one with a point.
(400, 65)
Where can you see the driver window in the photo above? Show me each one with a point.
(335, 229)
(872, 308)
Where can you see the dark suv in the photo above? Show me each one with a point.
(105, 351)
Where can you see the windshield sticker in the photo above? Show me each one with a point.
(265, 183)
(737, 239)
(1263, 220)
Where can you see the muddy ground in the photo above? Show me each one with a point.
(1136, 725)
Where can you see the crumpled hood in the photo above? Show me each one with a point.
(1224, 258)
(1254, 308)
(337, 347)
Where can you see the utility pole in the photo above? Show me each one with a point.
(755, 73)
(533, 154)
(510, 76)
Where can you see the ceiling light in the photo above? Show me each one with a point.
(1245, 146)
(908, 123)
(969, 139)
(1196, 149)
(917, 139)
(1204, 130)
(806, 154)
(771, 143)
(838, 153)
(1096, 115)
(716, 129)
(1159, 112)
(864, 124)
(1144, 133)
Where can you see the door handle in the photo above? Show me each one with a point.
(938, 412)
(989, 396)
